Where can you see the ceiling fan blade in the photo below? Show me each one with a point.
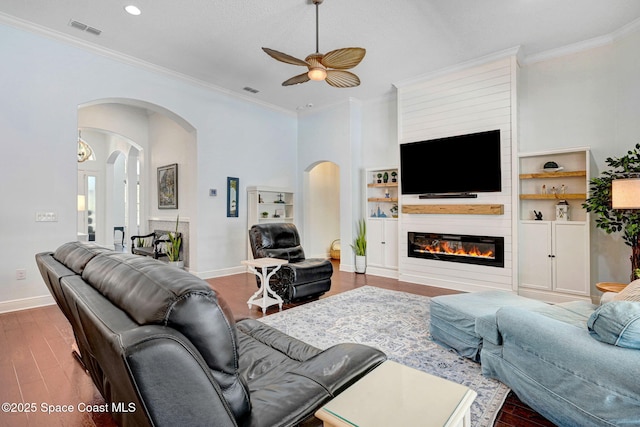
(343, 59)
(283, 57)
(339, 78)
(304, 77)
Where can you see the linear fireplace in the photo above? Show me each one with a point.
(482, 250)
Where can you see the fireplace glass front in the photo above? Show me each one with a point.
(481, 250)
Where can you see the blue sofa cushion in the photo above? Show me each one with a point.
(617, 323)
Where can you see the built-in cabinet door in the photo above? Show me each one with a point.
(375, 237)
(382, 242)
(571, 257)
(391, 243)
(535, 254)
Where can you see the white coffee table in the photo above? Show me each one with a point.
(396, 395)
(265, 297)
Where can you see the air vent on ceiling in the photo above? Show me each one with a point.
(250, 89)
(84, 27)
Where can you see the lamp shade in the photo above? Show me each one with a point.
(625, 193)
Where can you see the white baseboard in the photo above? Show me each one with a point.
(551, 297)
(383, 272)
(219, 273)
(455, 285)
(26, 303)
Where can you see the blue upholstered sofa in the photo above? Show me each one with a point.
(553, 356)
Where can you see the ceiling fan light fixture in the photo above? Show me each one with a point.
(133, 10)
(317, 74)
(329, 67)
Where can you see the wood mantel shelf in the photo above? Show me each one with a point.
(573, 196)
(475, 209)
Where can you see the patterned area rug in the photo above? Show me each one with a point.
(398, 324)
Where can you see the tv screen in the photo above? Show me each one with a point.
(459, 164)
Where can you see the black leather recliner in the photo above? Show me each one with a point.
(163, 348)
(301, 277)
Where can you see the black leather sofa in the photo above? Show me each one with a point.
(301, 277)
(162, 342)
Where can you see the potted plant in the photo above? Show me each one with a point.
(615, 220)
(265, 214)
(394, 176)
(173, 248)
(379, 178)
(359, 246)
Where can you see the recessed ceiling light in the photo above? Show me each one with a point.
(132, 10)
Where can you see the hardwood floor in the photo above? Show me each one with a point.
(36, 364)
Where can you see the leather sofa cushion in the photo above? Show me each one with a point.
(152, 292)
(76, 255)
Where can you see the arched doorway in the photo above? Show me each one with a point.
(132, 140)
(321, 208)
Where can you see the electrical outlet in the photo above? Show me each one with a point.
(46, 217)
(21, 274)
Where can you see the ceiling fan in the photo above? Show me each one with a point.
(329, 67)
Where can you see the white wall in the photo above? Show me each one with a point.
(44, 82)
(591, 99)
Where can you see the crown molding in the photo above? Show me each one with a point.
(130, 60)
(506, 53)
(585, 45)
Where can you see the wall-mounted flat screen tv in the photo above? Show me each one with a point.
(459, 164)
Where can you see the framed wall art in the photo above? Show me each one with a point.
(168, 187)
(233, 184)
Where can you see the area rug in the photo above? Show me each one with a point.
(398, 324)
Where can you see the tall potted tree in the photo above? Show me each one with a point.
(359, 246)
(615, 220)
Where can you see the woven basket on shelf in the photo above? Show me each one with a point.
(335, 249)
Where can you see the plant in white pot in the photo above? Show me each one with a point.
(173, 248)
(360, 246)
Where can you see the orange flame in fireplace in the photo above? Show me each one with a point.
(439, 247)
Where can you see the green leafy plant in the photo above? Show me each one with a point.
(175, 241)
(140, 242)
(612, 220)
(637, 273)
(359, 245)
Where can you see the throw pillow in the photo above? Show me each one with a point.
(630, 293)
(617, 323)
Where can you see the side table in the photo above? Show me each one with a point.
(610, 286)
(264, 296)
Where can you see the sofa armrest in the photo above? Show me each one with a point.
(565, 358)
(174, 383)
(341, 365)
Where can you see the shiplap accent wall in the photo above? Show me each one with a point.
(475, 99)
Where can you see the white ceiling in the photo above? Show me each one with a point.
(219, 41)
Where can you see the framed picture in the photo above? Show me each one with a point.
(168, 187)
(233, 184)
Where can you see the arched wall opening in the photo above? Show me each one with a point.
(321, 208)
(148, 137)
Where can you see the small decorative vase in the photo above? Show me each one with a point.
(361, 264)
